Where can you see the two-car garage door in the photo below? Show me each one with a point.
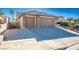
(42, 22)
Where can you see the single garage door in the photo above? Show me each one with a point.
(45, 22)
(29, 22)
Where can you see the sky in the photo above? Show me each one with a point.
(66, 12)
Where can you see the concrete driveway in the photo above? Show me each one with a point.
(38, 33)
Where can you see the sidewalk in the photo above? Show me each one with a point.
(71, 43)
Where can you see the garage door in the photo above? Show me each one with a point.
(44, 22)
(29, 22)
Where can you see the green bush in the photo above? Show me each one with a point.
(63, 23)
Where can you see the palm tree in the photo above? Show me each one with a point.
(12, 13)
(1, 14)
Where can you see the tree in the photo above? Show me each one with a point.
(70, 19)
(12, 13)
(71, 23)
(1, 14)
(77, 22)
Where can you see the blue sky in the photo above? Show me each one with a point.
(66, 12)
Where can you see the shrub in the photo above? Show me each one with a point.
(63, 23)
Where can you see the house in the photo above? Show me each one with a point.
(61, 19)
(2, 20)
(3, 24)
(35, 19)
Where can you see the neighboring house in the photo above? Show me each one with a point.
(3, 24)
(61, 18)
(2, 20)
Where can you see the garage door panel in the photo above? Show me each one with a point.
(29, 22)
(46, 22)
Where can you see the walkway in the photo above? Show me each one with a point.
(31, 44)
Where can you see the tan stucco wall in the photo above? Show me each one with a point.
(21, 22)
